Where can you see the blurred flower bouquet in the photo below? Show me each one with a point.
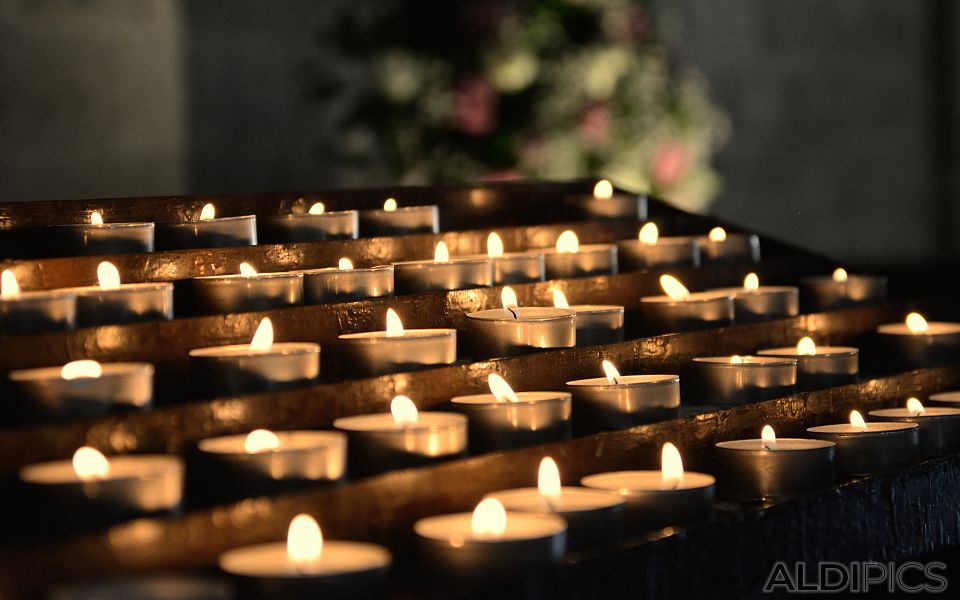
(553, 89)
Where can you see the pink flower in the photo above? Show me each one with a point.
(670, 162)
(475, 106)
(595, 124)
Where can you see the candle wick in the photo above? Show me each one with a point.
(515, 316)
(616, 381)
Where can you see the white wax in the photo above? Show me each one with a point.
(822, 351)
(122, 468)
(781, 445)
(746, 361)
(588, 309)
(454, 260)
(290, 441)
(570, 500)
(763, 289)
(408, 334)
(627, 482)
(933, 328)
(524, 397)
(583, 249)
(110, 371)
(384, 422)
(457, 529)
(244, 350)
(337, 558)
(929, 412)
(847, 428)
(125, 288)
(627, 381)
(523, 314)
(694, 297)
(951, 397)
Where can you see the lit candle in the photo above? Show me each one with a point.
(651, 250)
(397, 349)
(772, 468)
(657, 499)
(23, 312)
(246, 291)
(402, 438)
(939, 425)
(259, 366)
(842, 290)
(571, 259)
(85, 388)
(513, 267)
(514, 330)
(490, 542)
(820, 366)
(607, 203)
(96, 237)
(596, 323)
(721, 246)
(730, 380)
(869, 448)
(753, 303)
(504, 419)
(681, 310)
(399, 220)
(442, 273)
(112, 302)
(594, 518)
(310, 225)
(918, 343)
(346, 283)
(618, 401)
(207, 231)
(308, 566)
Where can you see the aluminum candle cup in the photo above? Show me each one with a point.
(221, 294)
(619, 206)
(747, 470)
(502, 332)
(598, 324)
(402, 221)
(378, 443)
(161, 586)
(716, 380)
(120, 386)
(701, 310)
(600, 405)
(212, 233)
(831, 366)
(518, 267)
(238, 369)
(949, 399)
(634, 255)
(338, 225)
(538, 418)
(881, 447)
(331, 285)
(588, 260)
(939, 427)
(376, 353)
(825, 293)
(88, 239)
(939, 344)
(764, 303)
(649, 505)
(415, 277)
(737, 247)
(594, 518)
(130, 303)
(37, 312)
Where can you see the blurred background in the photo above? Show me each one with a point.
(830, 124)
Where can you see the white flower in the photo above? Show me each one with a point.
(399, 75)
(514, 72)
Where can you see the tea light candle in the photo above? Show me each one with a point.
(314, 225)
(307, 566)
(650, 250)
(594, 518)
(97, 237)
(513, 267)
(397, 349)
(504, 419)
(345, 283)
(85, 388)
(112, 302)
(620, 402)
(916, 343)
(490, 542)
(679, 310)
(730, 380)
(820, 366)
(596, 323)
(570, 259)
(258, 367)
(442, 273)
(842, 290)
(402, 438)
(950, 399)
(607, 203)
(657, 499)
(512, 330)
(397, 220)
(34, 312)
(772, 468)
(720, 246)
(207, 232)
(869, 448)
(754, 303)
(247, 291)
(90, 486)
(939, 425)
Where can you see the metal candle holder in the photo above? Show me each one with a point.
(598, 324)
(238, 369)
(537, 418)
(587, 261)
(793, 467)
(120, 386)
(881, 447)
(223, 294)
(600, 405)
(831, 366)
(37, 312)
(89, 239)
(337, 225)
(518, 267)
(376, 353)
(634, 255)
(700, 310)
(824, 293)
(715, 380)
(212, 233)
(402, 221)
(509, 332)
(332, 285)
(130, 303)
(419, 276)
(649, 505)
(939, 427)
(737, 247)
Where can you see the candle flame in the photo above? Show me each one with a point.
(840, 274)
(263, 338)
(208, 212)
(915, 407)
(736, 359)
(9, 287)
(317, 209)
(247, 270)
(500, 389)
(344, 264)
(649, 234)
(394, 324)
(916, 323)
(856, 420)
(613, 375)
(441, 253)
(671, 466)
(108, 276)
(673, 288)
(751, 282)
(717, 234)
(404, 411)
(568, 243)
(548, 479)
(81, 369)
(603, 190)
(806, 347)
(89, 463)
(260, 440)
(390, 205)
(494, 245)
(768, 438)
(304, 540)
(96, 218)
(489, 518)
(508, 298)
(560, 299)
